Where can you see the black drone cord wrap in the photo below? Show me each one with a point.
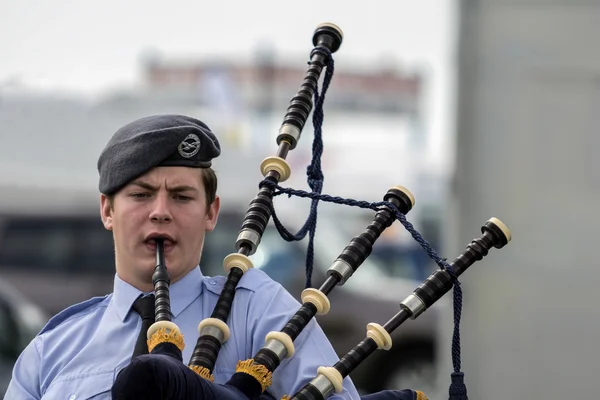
(214, 331)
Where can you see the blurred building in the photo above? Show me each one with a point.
(267, 83)
(527, 153)
(374, 131)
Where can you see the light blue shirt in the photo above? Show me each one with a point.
(81, 350)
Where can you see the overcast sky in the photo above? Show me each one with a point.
(88, 44)
(93, 45)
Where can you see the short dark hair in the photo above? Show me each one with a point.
(209, 179)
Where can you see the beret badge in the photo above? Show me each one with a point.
(189, 146)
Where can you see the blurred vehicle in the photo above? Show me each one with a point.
(20, 321)
(59, 254)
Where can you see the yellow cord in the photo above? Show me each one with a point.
(259, 372)
(161, 336)
(203, 372)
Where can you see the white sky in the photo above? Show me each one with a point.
(94, 45)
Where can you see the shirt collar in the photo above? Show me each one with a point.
(182, 293)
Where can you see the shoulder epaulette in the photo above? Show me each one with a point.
(70, 311)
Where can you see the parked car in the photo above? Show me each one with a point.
(20, 321)
(62, 255)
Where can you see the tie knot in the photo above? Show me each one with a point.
(144, 306)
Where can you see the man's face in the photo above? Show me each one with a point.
(169, 202)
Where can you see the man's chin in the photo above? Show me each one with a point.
(172, 268)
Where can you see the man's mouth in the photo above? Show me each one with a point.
(168, 243)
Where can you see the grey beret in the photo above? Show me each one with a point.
(159, 140)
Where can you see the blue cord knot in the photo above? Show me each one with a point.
(267, 182)
(314, 173)
(458, 389)
(315, 180)
(322, 50)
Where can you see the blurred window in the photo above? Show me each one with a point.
(80, 244)
(8, 327)
(281, 260)
(395, 252)
(56, 244)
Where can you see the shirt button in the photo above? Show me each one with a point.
(72, 397)
(212, 282)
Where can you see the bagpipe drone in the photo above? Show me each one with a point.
(162, 374)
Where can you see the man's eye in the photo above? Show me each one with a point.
(183, 198)
(139, 195)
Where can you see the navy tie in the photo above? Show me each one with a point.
(144, 306)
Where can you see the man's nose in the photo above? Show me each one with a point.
(160, 209)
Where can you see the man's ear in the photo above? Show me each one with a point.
(106, 212)
(213, 214)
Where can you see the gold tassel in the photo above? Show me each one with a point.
(421, 395)
(203, 372)
(285, 397)
(257, 371)
(161, 336)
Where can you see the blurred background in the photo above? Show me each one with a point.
(481, 108)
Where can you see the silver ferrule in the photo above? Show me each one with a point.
(212, 331)
(323, 385)
(276, 347)
(291, 131)
(342, 269)
(415, 305)
(249, 237)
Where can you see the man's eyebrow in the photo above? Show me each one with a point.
(182, 188)
(173, 189)
(144, 185)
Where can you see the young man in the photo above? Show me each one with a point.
(155, 180)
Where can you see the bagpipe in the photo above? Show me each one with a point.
(162, 374)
